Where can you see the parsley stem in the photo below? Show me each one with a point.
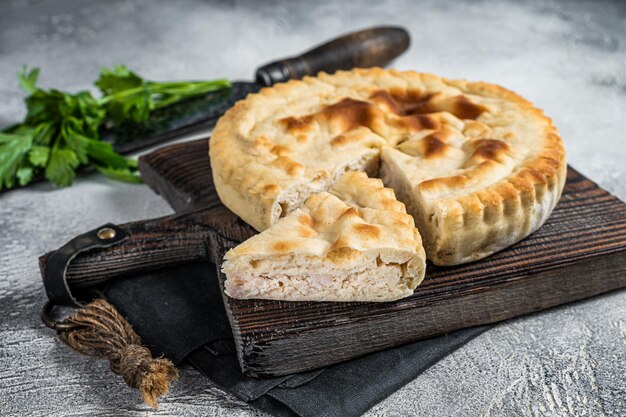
(182, 89)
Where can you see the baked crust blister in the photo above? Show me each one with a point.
(477, 166)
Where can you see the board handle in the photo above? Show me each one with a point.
(372, 47)
(110, 251)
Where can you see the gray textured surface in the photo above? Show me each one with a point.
(569, 58)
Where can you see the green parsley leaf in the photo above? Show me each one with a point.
(103, 154)
(72, 134)
(118, 79)
(38, 156)
(125, 175)
(28, 79)
(13, 155)
(62, 166)
(25, 175)
(44, 132)
(134, 106)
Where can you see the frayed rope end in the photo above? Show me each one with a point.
(105, 333)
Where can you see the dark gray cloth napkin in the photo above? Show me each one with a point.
(178, 312)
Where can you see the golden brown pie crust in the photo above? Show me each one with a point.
(478, 166)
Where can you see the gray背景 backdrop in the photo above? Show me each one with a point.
(568, 57)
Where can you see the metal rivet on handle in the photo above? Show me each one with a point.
(106, 233)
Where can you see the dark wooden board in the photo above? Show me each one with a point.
(580, 252)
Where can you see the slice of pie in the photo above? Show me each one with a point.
(353, 243)
(478, 167)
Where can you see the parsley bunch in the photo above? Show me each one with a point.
(60, 131)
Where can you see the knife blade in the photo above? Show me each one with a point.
(376, 46)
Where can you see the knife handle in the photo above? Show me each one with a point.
(366, 48)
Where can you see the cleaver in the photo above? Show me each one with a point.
(371, 47)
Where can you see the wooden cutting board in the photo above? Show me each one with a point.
(580, 252)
